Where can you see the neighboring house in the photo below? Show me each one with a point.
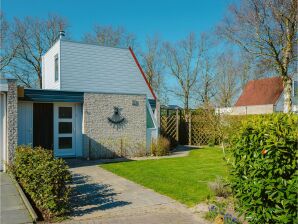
(95, 102)
(262, 96)
(171, 107)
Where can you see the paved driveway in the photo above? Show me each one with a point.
(103, 197)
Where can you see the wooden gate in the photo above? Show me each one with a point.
(173, 125)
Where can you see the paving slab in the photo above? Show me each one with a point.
(100, 196)
(12, 208)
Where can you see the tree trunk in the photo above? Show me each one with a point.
(287, 82)
(186, 98)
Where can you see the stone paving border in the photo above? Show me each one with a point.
(12, 207)
(26, 201)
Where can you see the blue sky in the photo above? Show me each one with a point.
(171, 20)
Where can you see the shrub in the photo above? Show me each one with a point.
(160, 147)
(211, 141)
(43, 178)
(218, 214)
(264, 176)
(220, 187)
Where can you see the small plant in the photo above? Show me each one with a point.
(217, 213)
(229, 219)
(160, 147)
(140, 150)
(219, 187)
(212, 213)
(44, 178)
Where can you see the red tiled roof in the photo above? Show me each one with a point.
(260, 92)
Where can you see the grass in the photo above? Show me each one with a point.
(184, 179)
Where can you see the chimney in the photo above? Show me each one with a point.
(61, 34)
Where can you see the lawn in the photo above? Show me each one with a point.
(184, 179)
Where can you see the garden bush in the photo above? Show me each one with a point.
(264, 172)
(44, 179)
(160, 147)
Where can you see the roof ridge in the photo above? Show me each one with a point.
(264, 78)
(94, 44)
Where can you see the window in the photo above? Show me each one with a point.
(56, 68)
(65, 112)
(65, 127)
(65, 142)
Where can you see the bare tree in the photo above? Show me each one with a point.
(266, 29)
(226, 83)
(32, 37)
(182, 61)
(206, 86)
(154, 67)
(110, 36)
(245, 69)
(206, 80)
(7, 52)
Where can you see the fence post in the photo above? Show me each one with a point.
(177, 125)
(189, 128)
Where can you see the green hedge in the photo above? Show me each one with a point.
(44, 178)
(264, 173)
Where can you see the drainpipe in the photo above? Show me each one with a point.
(89, 147)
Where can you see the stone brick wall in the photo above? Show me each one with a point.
(12, 118)
(102, 138)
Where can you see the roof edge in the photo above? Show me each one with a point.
(142, 72)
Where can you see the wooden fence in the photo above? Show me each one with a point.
(190, 128)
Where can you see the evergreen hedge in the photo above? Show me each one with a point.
(264, 172)
(44, 179)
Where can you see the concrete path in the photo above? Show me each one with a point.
(103, 197)
(12, 208)
(179, 151)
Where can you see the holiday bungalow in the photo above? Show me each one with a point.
(95, 102)
(262, 96)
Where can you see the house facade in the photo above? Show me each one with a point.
(263, 96)
(95, 102)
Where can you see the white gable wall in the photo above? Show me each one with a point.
(48, 68)
(279, 106)
(93, 68)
